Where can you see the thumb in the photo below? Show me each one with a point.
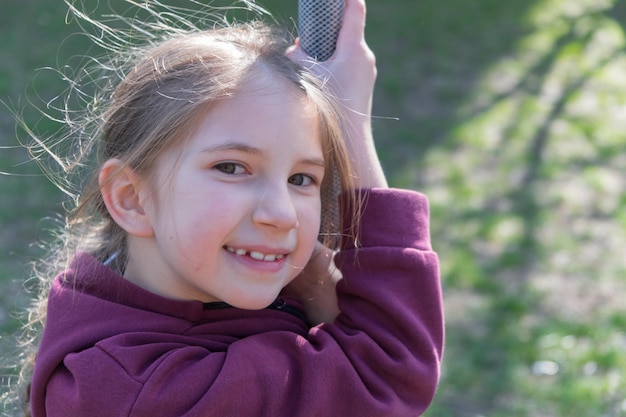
(353, 24)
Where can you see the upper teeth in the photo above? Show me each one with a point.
(255, 255)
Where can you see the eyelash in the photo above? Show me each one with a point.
(222, 167)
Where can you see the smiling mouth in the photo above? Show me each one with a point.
(272, 257)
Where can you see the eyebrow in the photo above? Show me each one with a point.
(242, 147)
(233, 146)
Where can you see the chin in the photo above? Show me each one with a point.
(256, 302)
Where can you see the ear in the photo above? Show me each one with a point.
(121, 192)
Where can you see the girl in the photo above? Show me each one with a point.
(197, 284)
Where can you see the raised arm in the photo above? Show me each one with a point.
(351, 74)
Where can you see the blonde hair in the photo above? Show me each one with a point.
(159, 78)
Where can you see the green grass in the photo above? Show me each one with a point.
(511, 118)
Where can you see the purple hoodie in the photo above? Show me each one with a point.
(110, 348)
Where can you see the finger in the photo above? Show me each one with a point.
(353, 24)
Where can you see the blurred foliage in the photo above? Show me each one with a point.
(511, 117)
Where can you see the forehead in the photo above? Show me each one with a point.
(264, 112)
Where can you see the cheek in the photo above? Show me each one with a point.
(309, 219)
(183, 221)
(200, 224)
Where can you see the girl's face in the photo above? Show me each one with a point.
(235, 209)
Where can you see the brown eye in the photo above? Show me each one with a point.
(231, 168)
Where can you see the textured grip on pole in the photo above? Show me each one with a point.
(319, 22)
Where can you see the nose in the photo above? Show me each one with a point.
(276, 208)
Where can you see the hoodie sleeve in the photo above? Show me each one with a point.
(381, 357)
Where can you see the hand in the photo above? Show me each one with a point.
(315, 286)
(351, 75)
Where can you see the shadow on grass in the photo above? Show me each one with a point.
(430, 57)
(433, 62)
(488, 351)
(618, 13)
